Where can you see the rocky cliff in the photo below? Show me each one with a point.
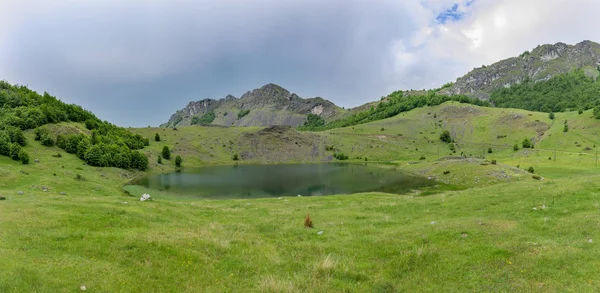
(541, 63)
(266, 106)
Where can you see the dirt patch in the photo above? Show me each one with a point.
(282, 144)
(510, 118)
(460, 111)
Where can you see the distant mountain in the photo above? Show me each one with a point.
(541, 64)
(266, 106)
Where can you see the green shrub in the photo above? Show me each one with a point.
(235, 157)
(580, 111)
(422, 158)
(47, 140)
(242, 113)
(178, 161)
(493, 162)
(551, 116)
(15, 150)
(445, 136)
(24, 157)
(527, 143)
(139, 161)
(530, 170)
(16, 135)
(313, 120)
(4, 144)
(156, 137)
(516, 147)
(159, 160)
(205, 119)
(340, 156)
(166, 153)
(489, 150)
(566, 128)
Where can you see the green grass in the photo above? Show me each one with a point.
(481, 233)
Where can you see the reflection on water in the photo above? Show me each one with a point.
(253, 181)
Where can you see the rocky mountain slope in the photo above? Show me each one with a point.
(540, 64)
(267, 106)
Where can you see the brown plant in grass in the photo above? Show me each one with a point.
(308, 221)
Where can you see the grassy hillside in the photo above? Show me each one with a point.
(507, 232)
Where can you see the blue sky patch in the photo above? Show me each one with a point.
(454, 13)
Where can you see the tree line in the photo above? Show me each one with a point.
(106, 146)
(392, 105)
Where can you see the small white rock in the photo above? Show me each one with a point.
(320, 232)
(544, 206)
(299, 195)
(124, 202)
(433, 222)
(590, 240)
(83, 288)
(535, 209)
(145, 197)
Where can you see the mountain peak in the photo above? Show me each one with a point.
(268, 105)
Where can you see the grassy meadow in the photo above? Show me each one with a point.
(499, 230)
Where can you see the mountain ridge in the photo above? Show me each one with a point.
(268, 105)
(542, 63)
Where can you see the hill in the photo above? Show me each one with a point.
(542, 63)
(266, 106)
(101, 144)
(60, 231)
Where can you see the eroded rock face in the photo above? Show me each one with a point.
(540, 64)
(269, 105)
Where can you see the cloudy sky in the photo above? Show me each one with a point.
(134, 62)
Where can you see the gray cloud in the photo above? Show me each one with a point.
(135, 62)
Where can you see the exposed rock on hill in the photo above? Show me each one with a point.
(540, 64)
(267, 106)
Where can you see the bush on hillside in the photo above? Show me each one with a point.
(15, 150)
(242, 113)
(47, 140)
(24, 157)
(340, 156)
(156, 137)
(527, 143)
(314, 121)
(205, 119)
(445, 136)
(178, 161)
(166, 153)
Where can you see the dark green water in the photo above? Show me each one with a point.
(255, 181)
